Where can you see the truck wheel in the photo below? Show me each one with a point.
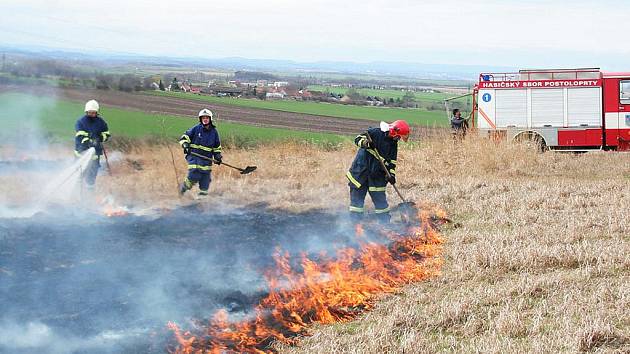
(532, 139)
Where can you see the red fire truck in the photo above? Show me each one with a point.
(565, 109)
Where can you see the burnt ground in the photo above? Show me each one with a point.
(190, 107)
(99, 284)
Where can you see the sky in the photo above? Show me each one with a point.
(521, 34)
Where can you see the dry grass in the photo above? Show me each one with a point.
(541, 262)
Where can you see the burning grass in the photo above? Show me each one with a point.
(327, 290)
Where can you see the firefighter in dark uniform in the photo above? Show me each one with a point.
(459, 125)
(91, 131)
(366, 173)
(202, 139)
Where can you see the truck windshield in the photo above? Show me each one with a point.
(624, 91)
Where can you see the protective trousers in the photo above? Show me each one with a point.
(203, 177)
(91, 171)
(357, 202)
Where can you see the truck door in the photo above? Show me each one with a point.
(623, 133)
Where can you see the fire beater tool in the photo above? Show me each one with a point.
(244, 171)
(407, 208)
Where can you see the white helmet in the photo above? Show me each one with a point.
(91, 105)
(206, 113)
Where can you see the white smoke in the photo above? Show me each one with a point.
(21, 115)
(39, 338)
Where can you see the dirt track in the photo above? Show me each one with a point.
(189, 108)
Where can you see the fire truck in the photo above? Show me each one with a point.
(563, 109)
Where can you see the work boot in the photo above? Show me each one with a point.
(356, 218)
(182, 188)
(383, 218)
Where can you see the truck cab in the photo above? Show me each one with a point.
(617, 109)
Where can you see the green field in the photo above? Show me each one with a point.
(429, 97)
(414, 116)
(23, 115)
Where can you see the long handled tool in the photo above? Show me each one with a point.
(109, 169)
(406, 207)
(244, 171)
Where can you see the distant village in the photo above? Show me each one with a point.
(240, 84)
(284, 90)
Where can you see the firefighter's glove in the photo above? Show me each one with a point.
(366, 144)
(391, 179)
(93, 143)
(186, 147)
(218, 159)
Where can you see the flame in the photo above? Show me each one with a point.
(110, 209)
(359, 231)
(324, 291)
(112, 212)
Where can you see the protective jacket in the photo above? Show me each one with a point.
(365, 168)
(458, 123)
(90, 132)
(203, 141)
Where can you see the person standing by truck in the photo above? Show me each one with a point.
(459, 125)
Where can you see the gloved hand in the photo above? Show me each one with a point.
(186, 147)
(366, 144)
(391, 179)
(218, 159)
(93, 143)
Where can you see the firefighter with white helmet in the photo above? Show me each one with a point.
(202, 139)
(367, 174)
(91, 131)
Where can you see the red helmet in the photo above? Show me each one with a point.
(399, 129)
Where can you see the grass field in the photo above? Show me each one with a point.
(426, 97)
(538, 262)
(415, 116)
(55, 119)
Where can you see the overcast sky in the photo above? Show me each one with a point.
(533, 33)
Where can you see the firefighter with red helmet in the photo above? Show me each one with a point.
(202, 139)
(366, 175)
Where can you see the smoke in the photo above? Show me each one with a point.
(34, 169)
(21, 118)
(61, 186)
(36, 337)
(104, 284)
